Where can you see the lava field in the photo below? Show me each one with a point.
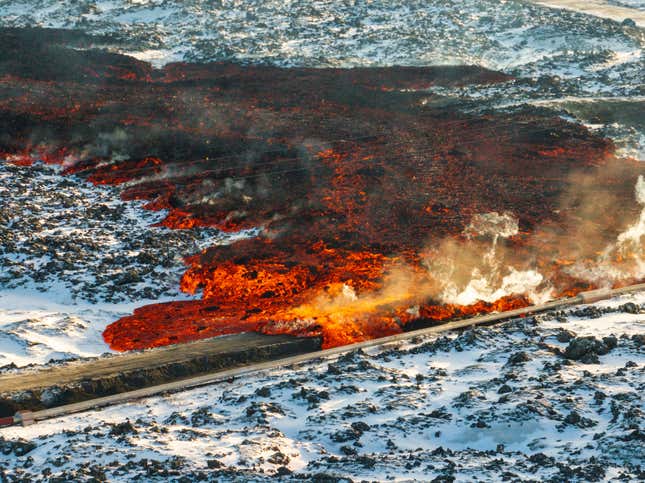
(377, 203)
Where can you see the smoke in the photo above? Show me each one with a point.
(401, 284)
(110, 147)
(597, 241)
(478, 267)
(623, 259)
(341, 310)
(114, 143)
(493, 224)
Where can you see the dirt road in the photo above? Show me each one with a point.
(170, 362)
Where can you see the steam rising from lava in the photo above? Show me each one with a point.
(478, 267)
(469, 270)
(377, 211)
(474, 268)
(623, 259)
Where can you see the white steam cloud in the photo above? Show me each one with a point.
(623, 259)
(477, 270)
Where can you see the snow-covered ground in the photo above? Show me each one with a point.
(494, 404)
(74, 258)
(529, 400)
(628, 11)
(588, 53)
(637, 4)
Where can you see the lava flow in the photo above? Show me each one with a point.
(378, 208)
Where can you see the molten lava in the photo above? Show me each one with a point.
(354, 177)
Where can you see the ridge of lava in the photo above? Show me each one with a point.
(353, 177)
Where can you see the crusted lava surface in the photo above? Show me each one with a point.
(350, 174)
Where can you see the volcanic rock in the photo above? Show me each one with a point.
(17, 447)
(573, 418)
(360, 426)
(518, 358)
(630, 308)
(345, 435)
(564, 335)
(587, 349)
(121, 429)
(504, 388)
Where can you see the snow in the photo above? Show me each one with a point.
(637, 4)
(157, 57)
(616, 10)
(433, 406)
(75, 258)
(419, 409)
(37, 326)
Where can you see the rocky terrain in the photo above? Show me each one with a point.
(557, 397)
(62, 231)
(586, 53)
(73, 257)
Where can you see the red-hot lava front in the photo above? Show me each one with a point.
(355, 178)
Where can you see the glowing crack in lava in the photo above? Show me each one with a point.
(378, 208)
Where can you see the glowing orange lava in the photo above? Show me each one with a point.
(351, 175)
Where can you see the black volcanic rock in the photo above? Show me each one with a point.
(587, 349)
